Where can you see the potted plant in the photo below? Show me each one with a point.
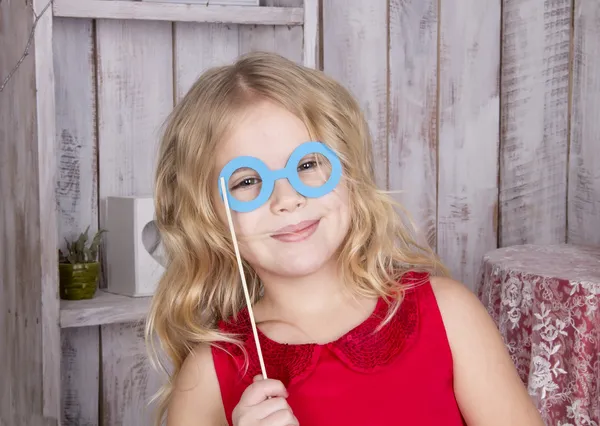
(79, 269)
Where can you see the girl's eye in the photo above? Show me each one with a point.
(244, 183)
(307, 165)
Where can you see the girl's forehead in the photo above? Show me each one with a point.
(274, 155)
(269, 133)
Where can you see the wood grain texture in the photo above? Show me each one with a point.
(199, 47)
(77, 198)
(80, 366)
(29, 359)
(284, 40)
(468, 134)
(212, 2)
(104, 308)
(135, 95)
(138, 10)
(312, 32)
(77, 184)
(355, 53)
(534, 121)
(288, 40)
(20, 292)
(48, 237)
(584, 174)
(412, 150)
(128, 381)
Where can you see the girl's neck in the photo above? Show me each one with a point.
(310, 309)
(301, 296)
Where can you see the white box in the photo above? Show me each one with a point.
(131, 269)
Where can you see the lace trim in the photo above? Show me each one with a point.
(363, 349)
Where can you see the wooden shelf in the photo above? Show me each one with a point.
(104, 308)
(180, 12)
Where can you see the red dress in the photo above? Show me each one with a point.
(401, 375)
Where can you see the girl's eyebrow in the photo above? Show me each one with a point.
(243, 169)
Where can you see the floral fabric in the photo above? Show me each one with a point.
(545, 301)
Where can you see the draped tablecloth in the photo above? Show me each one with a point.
(545, 301)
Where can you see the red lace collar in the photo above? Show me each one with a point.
(363, 349)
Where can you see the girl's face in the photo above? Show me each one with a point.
(289, 235)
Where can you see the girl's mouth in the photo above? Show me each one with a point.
(298, 232)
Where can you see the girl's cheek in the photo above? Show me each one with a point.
(244, 224)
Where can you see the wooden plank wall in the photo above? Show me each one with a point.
(20, 329)
(535, 120)
(481, 116)
(29, 306)
(584, 153)
(468, 114)
(412, 111)
(484, 117)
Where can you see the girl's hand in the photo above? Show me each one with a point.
(263, 403)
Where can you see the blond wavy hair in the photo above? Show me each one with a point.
(201, 283)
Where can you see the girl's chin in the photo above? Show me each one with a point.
(297, 267)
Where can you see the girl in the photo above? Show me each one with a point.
(353, 323)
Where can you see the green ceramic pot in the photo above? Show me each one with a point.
(78, 281)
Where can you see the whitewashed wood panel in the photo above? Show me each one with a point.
(355, 53)
(77, 200)
(29, 359)
(210, 2)
(135, 95)
(104, 308)
(47, 212)
(199, 47)
(147, 11)
(80, 366)
(584, 175)
(311, 55)
(77, 184)
(128, 380)
(288, 39)
(468, 134)
(413, 111)
(256, 38)
(283, 3)
(20, 328)
(282, 39)
(534, 121)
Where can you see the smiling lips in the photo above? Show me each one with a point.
(296, 233)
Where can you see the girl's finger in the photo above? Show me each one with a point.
(268, 407)
(281, 417)
(261, 390)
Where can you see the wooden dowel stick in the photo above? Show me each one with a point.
(242, 276)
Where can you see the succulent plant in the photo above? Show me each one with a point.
(79, 251)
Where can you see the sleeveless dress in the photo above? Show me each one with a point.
(399, 375)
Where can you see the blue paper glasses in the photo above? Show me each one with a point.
(312, 169)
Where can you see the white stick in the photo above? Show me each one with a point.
(242, 276)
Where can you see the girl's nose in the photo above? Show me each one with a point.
(285, 198)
